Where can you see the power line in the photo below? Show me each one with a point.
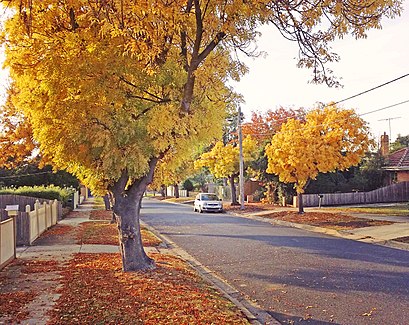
(277, 122)
(369, 90)
(381, 109)
(18, 176)
(303, 127)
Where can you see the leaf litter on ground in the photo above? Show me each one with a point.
(95, 290)
(331, 220)
(105, 233)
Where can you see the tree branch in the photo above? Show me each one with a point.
(118, 188)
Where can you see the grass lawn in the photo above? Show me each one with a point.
(399, 209)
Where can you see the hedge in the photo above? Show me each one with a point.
(44, 192)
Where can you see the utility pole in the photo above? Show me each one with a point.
(390, 129)
(241, 162)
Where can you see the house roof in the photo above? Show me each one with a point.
(398, 160)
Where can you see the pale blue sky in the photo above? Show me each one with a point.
(276, 81)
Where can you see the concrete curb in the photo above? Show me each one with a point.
(331, 232)
(254, 313)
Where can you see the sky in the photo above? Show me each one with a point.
(275, 80)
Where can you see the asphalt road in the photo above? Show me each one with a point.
(299, 277)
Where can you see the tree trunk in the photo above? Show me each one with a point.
(176, 186)
(163, 191)
(300, 204)
(127, 209)
(113, 219)
(233, 191)
(107, 202)
(128, 200)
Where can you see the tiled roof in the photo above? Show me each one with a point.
(398, 159)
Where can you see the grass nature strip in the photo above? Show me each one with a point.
(335, 221)
(105, 233)
(393, 210)
(95, 290)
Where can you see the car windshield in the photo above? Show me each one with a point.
(209, 197)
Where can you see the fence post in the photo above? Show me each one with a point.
(15, 235)
(28, 210)
(36, 208)
(295, 201)
(47, 215)
(54, 211)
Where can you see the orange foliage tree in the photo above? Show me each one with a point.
(330, 139)
(264, 125)
(16, 135)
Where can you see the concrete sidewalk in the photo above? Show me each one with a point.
(63, 247)
(50, 251)
(376, 234)
(381, 235)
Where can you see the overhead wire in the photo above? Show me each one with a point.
(369, 90)
(18, 176)
(383, 108)
(276, 122)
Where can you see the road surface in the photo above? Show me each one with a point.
(299, 277)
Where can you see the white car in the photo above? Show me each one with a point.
(207, 202)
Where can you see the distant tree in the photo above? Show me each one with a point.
(264, 125)
(188, 185)
(400, 142)
(223, 161)
(173, 169)
(274, 190)
(330, 139)
(32, 175)
(201, 178)
(261, 128)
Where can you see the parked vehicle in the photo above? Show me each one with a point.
(207, 202)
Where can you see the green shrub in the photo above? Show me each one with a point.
(44, 192)
(188, 185)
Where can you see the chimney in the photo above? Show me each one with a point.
(384, 145)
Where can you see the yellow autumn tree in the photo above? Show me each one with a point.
(223, 161)
(173, 169)
(330, 139)
(109, 88)
(98, 113)
(16, 136)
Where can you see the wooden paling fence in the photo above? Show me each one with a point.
(7, 241)
(22, 228)
(20, 200)
(389, 194)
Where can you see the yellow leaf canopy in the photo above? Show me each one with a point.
(330, 139)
